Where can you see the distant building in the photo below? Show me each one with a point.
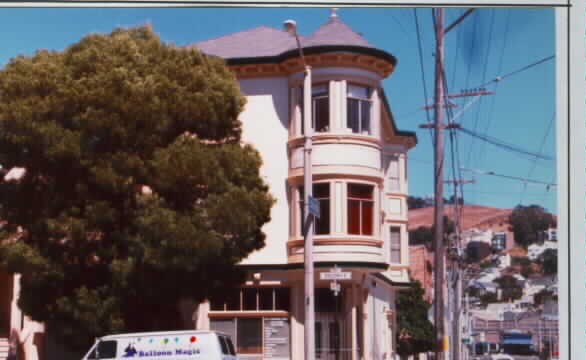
(499, 241)
(535, 250)
(421, 268)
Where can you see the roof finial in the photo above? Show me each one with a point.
(333, 13)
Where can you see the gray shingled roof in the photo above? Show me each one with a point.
(266, 41)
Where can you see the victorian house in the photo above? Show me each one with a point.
(359, 178)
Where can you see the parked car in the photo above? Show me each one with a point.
(209, 345)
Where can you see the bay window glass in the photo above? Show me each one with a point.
(395, 238)
(320, 108)
(360, 209)
(393, 174)
(321, 192)
(358, 109)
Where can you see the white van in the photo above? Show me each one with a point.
(168, 345)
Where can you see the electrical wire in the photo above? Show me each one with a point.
(527, 67)
(503, 145)
(500, 68)
(545, 136)
(485, 66)
(422, 71)
(525, 180)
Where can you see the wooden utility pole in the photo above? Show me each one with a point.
(438, 235)
(456, 285)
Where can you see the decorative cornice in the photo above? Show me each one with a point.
(290, 65)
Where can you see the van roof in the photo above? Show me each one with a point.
(160, 333)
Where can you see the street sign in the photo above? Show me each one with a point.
(314, 206)
(336, 274)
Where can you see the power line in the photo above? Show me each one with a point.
(525, 180)
(540, 150)
(400, 24)
(422, 70)
(485, 66)
(500, 68)
(500, 78)
(504, 145)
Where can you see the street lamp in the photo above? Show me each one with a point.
(309, 328)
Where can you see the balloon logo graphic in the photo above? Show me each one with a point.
(176, 339)
(165, 341)
(193, 339)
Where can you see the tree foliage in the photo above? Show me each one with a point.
(527, 222)
(511, 290)
(549, 261)
(423, 235)
(542, 296)
(95, 124)
(415, 332)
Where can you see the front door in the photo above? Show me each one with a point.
(329, 337)
(331, 342)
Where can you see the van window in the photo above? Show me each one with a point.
(106, 350)
(223, 344)
(230, 346)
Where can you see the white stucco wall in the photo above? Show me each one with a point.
(265, 125)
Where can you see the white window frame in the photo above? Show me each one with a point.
(367, 99)
(394, 247)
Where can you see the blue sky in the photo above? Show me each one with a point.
(490, 42)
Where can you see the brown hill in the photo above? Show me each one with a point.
(473, 216)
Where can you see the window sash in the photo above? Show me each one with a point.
(395, 242)
(360, 209)
(358, 109)
(249, 335)
(253, 299)
(321, 193)
(320, 109)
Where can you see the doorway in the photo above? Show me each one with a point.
(6, 289)
(331, 336)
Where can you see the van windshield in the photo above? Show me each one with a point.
(106, 350)
(230, 346)
(224, 346)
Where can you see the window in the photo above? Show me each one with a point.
(320, 108)
(393, 174)
(358, 109)
(253, 299)
(360, 209)
(224, 345)
(395, 244)
(249, 335)
(106, 350)
(321, 192)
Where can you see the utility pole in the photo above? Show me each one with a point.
(456, 284)
(441, 341)
(309, 300)
(438, 235)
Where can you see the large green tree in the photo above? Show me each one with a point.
(94, 126)
(415, 333)
(527, 222)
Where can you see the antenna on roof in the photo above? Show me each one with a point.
(333, 13)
